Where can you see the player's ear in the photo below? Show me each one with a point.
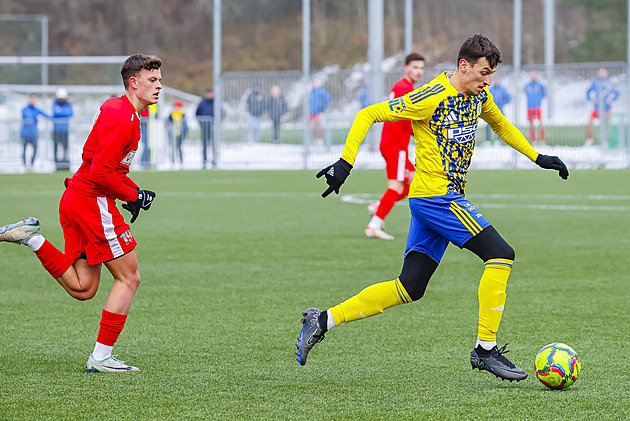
(463, 65)
(133, 82)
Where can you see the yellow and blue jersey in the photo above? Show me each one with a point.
(444, 124)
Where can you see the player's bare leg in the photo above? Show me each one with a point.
(81, 280)
(126, 280)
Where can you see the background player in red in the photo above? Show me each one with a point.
(395, 150)
(95, 232)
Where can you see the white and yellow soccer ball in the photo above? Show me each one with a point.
(557, 366)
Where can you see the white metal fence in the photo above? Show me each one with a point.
(249, 141)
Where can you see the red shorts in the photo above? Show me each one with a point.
(595, 114)
(398, 165)
(94, 226)
(534, 113)
(315, 119)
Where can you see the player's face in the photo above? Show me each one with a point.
(148, 84)
(477, 76)
(414, 70)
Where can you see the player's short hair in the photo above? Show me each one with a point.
(477, 47)
(135, 63)
(413, 57)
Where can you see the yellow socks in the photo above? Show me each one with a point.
(370, 301)
(492, 297)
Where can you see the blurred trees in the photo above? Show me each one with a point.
(266, 34)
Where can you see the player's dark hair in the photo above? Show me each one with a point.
(477, 47)
(135, 63)
(413, 57)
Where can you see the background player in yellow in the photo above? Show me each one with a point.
(444, 114)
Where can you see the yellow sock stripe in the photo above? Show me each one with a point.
(402, 293)
(463, 220)
(467, 216)
(499, 262)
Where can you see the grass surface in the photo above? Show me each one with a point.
(229, 260)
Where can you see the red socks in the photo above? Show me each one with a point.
(387, 203)
(111, 326)
(389, 199)
(54, 261)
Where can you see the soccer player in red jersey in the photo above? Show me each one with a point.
(95, 232)
(395, 150)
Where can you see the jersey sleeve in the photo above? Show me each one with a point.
(412, 106)
(106, 158)
(506, 130)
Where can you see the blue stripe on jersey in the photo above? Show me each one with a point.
(425, 93)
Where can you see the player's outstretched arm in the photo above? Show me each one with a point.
(551, 162)
(144, 201)
(336, 174)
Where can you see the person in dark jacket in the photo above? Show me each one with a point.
(61, 113)
(276, 107)
(29, 132)
(205, 117)
(255, 107)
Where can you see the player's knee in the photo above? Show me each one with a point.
(84, 295)
(396, 185)
(509, 252)
(131, 280)
(416, 273)
(413, 285)
(134, 281)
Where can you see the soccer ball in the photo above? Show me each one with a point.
(557, 366)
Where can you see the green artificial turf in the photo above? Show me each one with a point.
(229, 260)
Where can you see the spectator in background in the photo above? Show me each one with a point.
(501, 97)
(205, 117)
(277, 107)
(255, 107)
(177, 130)
(319, 101)
(535, 92)
(61, 113)
(145, 158)
(602, 91)
(365, 94)
(29, 132)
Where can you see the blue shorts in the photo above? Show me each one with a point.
(438, 220)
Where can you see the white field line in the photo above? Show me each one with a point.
(366, 198)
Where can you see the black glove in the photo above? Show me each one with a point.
(336, 174)
(550, 162)
(144, 200)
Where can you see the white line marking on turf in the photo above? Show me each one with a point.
(366, 198)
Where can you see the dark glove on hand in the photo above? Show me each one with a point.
(144, 200)
(550, 162)
(336, 174)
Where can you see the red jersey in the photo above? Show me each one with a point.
(108, 153)
(396, 134)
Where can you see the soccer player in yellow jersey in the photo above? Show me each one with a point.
(444, 114)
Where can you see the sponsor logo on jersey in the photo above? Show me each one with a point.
(129, 158)
(451, 116)
(463, 134)
(397, 105)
